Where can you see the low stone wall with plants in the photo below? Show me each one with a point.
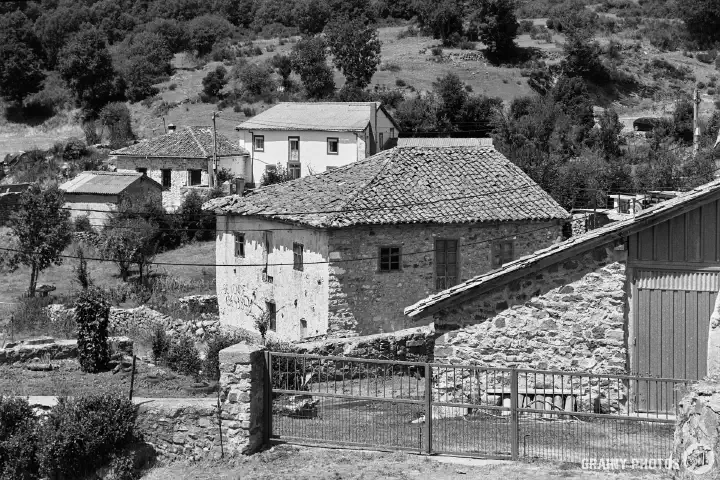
(697, 432)
(412, 345)
(42, 349)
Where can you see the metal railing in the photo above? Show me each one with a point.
(470, 410)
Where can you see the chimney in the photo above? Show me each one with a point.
(239, 184)
(171, 128)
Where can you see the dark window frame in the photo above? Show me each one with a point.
(298, 254)
(290, 159)
(166, 185)
(337, 145)
(142, 170)
(497, 258)
(293, 168)
(190, 177)
(272, 316)
(255, 147)
(387, 266)
(239, 244)
(447, 280)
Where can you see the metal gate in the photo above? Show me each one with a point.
(464, 410)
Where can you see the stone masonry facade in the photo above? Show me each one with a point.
(171, 197)
(569, 316)
(364, 300)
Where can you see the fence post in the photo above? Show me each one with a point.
(268, 398)
(428, 408)
(514, 422)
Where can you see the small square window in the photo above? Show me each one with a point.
(333, 145)
(259, 143)
(389, 259)
(298, 256)
(294, 170)
(502, 253)
(194, 177)
(272, 316)
(239, 245)
(142, 170)
(166, 178)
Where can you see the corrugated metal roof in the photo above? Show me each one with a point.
(443, 185)
(444, 142)
(321, 116)
(188, 142)
(580, 243)
(102, 183)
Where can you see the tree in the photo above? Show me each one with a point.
(116, 117)
(20, 71)
(308, 59)
(143, 59)
(238, 12)
(417, 115)
(206, 31)
(352, 9)
(355, 48)
(215, 81)
(40, 229)
(496, 25)
(442, 19)
(172, 31)
(55, 27)
(92, 313)
(139, 79)
(311, 16)
(702, 20)
(452, 95)
(86, 66)
(127, 242)
(683, 121)
(283, 66)
(256, 79)
(112, 19)
(606, 136)
(199, 225)
(582, 56)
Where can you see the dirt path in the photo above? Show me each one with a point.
(293, 462)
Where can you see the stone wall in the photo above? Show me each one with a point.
(697, 432)
(365, 301)
(51, 349)
(412, 345)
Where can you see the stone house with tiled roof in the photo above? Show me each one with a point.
(637, 296)
(342, 252)
(92, 193)
(312, 137)
(182, 159)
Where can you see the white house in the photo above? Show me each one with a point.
(310, 138)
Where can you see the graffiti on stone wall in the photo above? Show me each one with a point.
(237, 296)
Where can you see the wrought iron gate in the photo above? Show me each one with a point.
(465, 409)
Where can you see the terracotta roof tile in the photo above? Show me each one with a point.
(404, 185)
(188, 142)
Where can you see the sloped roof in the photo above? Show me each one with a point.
(560, 251)
(404, 185)
(322, 116)
(444, 142)
(102, 183)
(187, 142)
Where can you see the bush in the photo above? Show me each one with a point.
(249, 111)
(214, 82)
(172, 87)
(82, 224)
(467, 45)
(74, 149)
(399, 82)
(526, 26)
(122, 467)
(390, 66)
(159, 344)
(183, 357)
(91, 313)
(701, 85)
(436, 51)
(18, 439)
(82, 434)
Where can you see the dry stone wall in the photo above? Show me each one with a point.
(363, 300)
(697, 432)
(51, 349)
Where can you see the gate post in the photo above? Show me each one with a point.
(514, 422)
(267, 410)
(428, 408)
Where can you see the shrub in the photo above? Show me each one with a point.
(172, 87)
(18, 439)
(74, 149)
(91, 313)
(82, 434)
(390, 66)
(214, 82)
(410, 31)
(436, 51)
(526, 26)
(122, 467)
(399, 82)
(248, 111)
(82, 224)
(711, 91)
(701, 85)
(466, 45)
(159, 344)
(183, 357)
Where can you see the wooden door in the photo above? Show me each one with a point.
(672, 315)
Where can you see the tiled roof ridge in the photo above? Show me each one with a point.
(199, 143)
(105, 172)
(387, 161)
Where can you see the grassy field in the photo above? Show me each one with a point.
(105, 273)
(299, 463)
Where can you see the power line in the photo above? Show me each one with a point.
(324, 262)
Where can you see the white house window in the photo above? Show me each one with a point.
(293, 149)
(194, 177)
(239, 245)
(272, 316)
(389, 259)
(502, 253)
(333, 146)
(298, 256)
(259, 143)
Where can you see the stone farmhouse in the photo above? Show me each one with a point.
(340, 253)
(314, 137)
(93, 193)
(182, 159)
(634, 296)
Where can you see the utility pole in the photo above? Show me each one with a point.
(213, 172)
(696, 126)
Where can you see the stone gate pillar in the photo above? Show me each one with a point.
(713, 351)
